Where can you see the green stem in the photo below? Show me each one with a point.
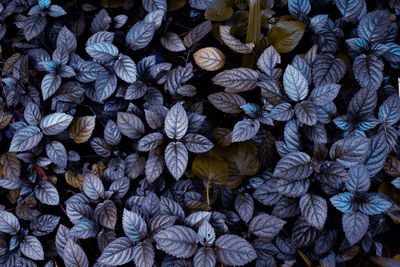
(253, 32)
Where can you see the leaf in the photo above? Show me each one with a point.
(102, 51)
(328, 69)
(47, 193)
(8, 222)
(25, 139)
(34, 25)
(306, 112)
(389, 111)
(350, 151)
(56, 11)
(55, 123)
(377, 154)
(359, 179)
(106, 214)
(176, 122)
(197, 33)
(323, 94)
(209, 58)
(314, 210)
(294, 166)
(285, 35)
(140, 35)
(178, 241)
(66, 38)
(143, 254)
(268, 60)
(244, 205)
(226, 102)
(84, 229)
(176, 159)
(154, 167)
(363, 103)
(44, 224)
(211, 168)
(333, 173)
(92, 186)
(178, 76)
(234, 250)
(245, 130)
(299, 8)
(204, 257)
(234, 43)
(74, 255)
(266, 226)
(32, 248)
(112, 134)
(374, 26)
(101, 36)
(153, 5)
(134, 226)
(282, 112)
(130, 125)
(344, 202)
(172, 42)
(295, 84)
(125, 68)
(218, 10)
(57, 153)
(197, 143)
(355, 226)
(393, 54)
(32, 114)
(82, 128)
(119, 252)
(206, 234)
(368, 71)
(105, 86)
(374, 204)
(236, 80)
(150, 141)
(303, 234)
(50, 83)
(350, 9)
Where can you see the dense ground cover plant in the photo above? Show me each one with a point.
(199, 133)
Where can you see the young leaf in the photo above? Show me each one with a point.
(328, 69)
(244, 205)
(226, 102)
(294, 166)
(368, 70)
(118, 252)
(47, 193)
(245, 130)
(140, 35)
(92, 186)
(143, 254)
(345, 202)
(197, 143)
(102, 51)
(55, 123)
(32, 248)
(234, 43)
(82, 128)
(350, 151)
(374, 204)
(178, 241)
(125, 68)
(172, 42)
(204, 257)
(134, 226)
(234, 250)
(209, 58)
(8, 223)
(236, 80)
(266, 226)
(74, 255)
(130, 125)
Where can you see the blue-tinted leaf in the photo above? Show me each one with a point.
(295, 84)
(89, 71)
(292, 188)
(47, 193)
(176, 159)
(324, 94)
(102, 51)
(345, 202)
(244, 206)
(266, 226)
(368, 70)
(140, 35)
(120, 251)
(44, 225)
(25, 139)
(245, 130)
(171, 207)
(234, 250)
(326, 113)
(268, 60)
(55, 123)
(332, 173)
(74, 255)
(62, 237)
(389, 111)
(106, 213)
(44, 3)
(134, 226)
(50, 83)
(197, 143)
(377, 154)
(8, 223)
(358, 45)
(176, 122)
(57, 153)
(105, 86)
(66, 38)
(292, 136)
(314, 210)
(328, 69)
(393, 54)
(204, 257)
(84, 229)
(299, 8)
(32, 248)
(306, 112)
(374, 204)
(282, 112)
(56, 11)
(178, 241)
(355, 226)
(294, 166)
(396, 182)
(206, 234)
(303, 233)
(367, 123)
(374, 26)
(350, 9)
(363, 103)
(92, 186)
(143, 254)
(359, 179)
(325, 241)
(350, 151)
(285, 208)
(125, 68)
(34, 25)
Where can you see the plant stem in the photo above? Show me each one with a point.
(208, 192)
